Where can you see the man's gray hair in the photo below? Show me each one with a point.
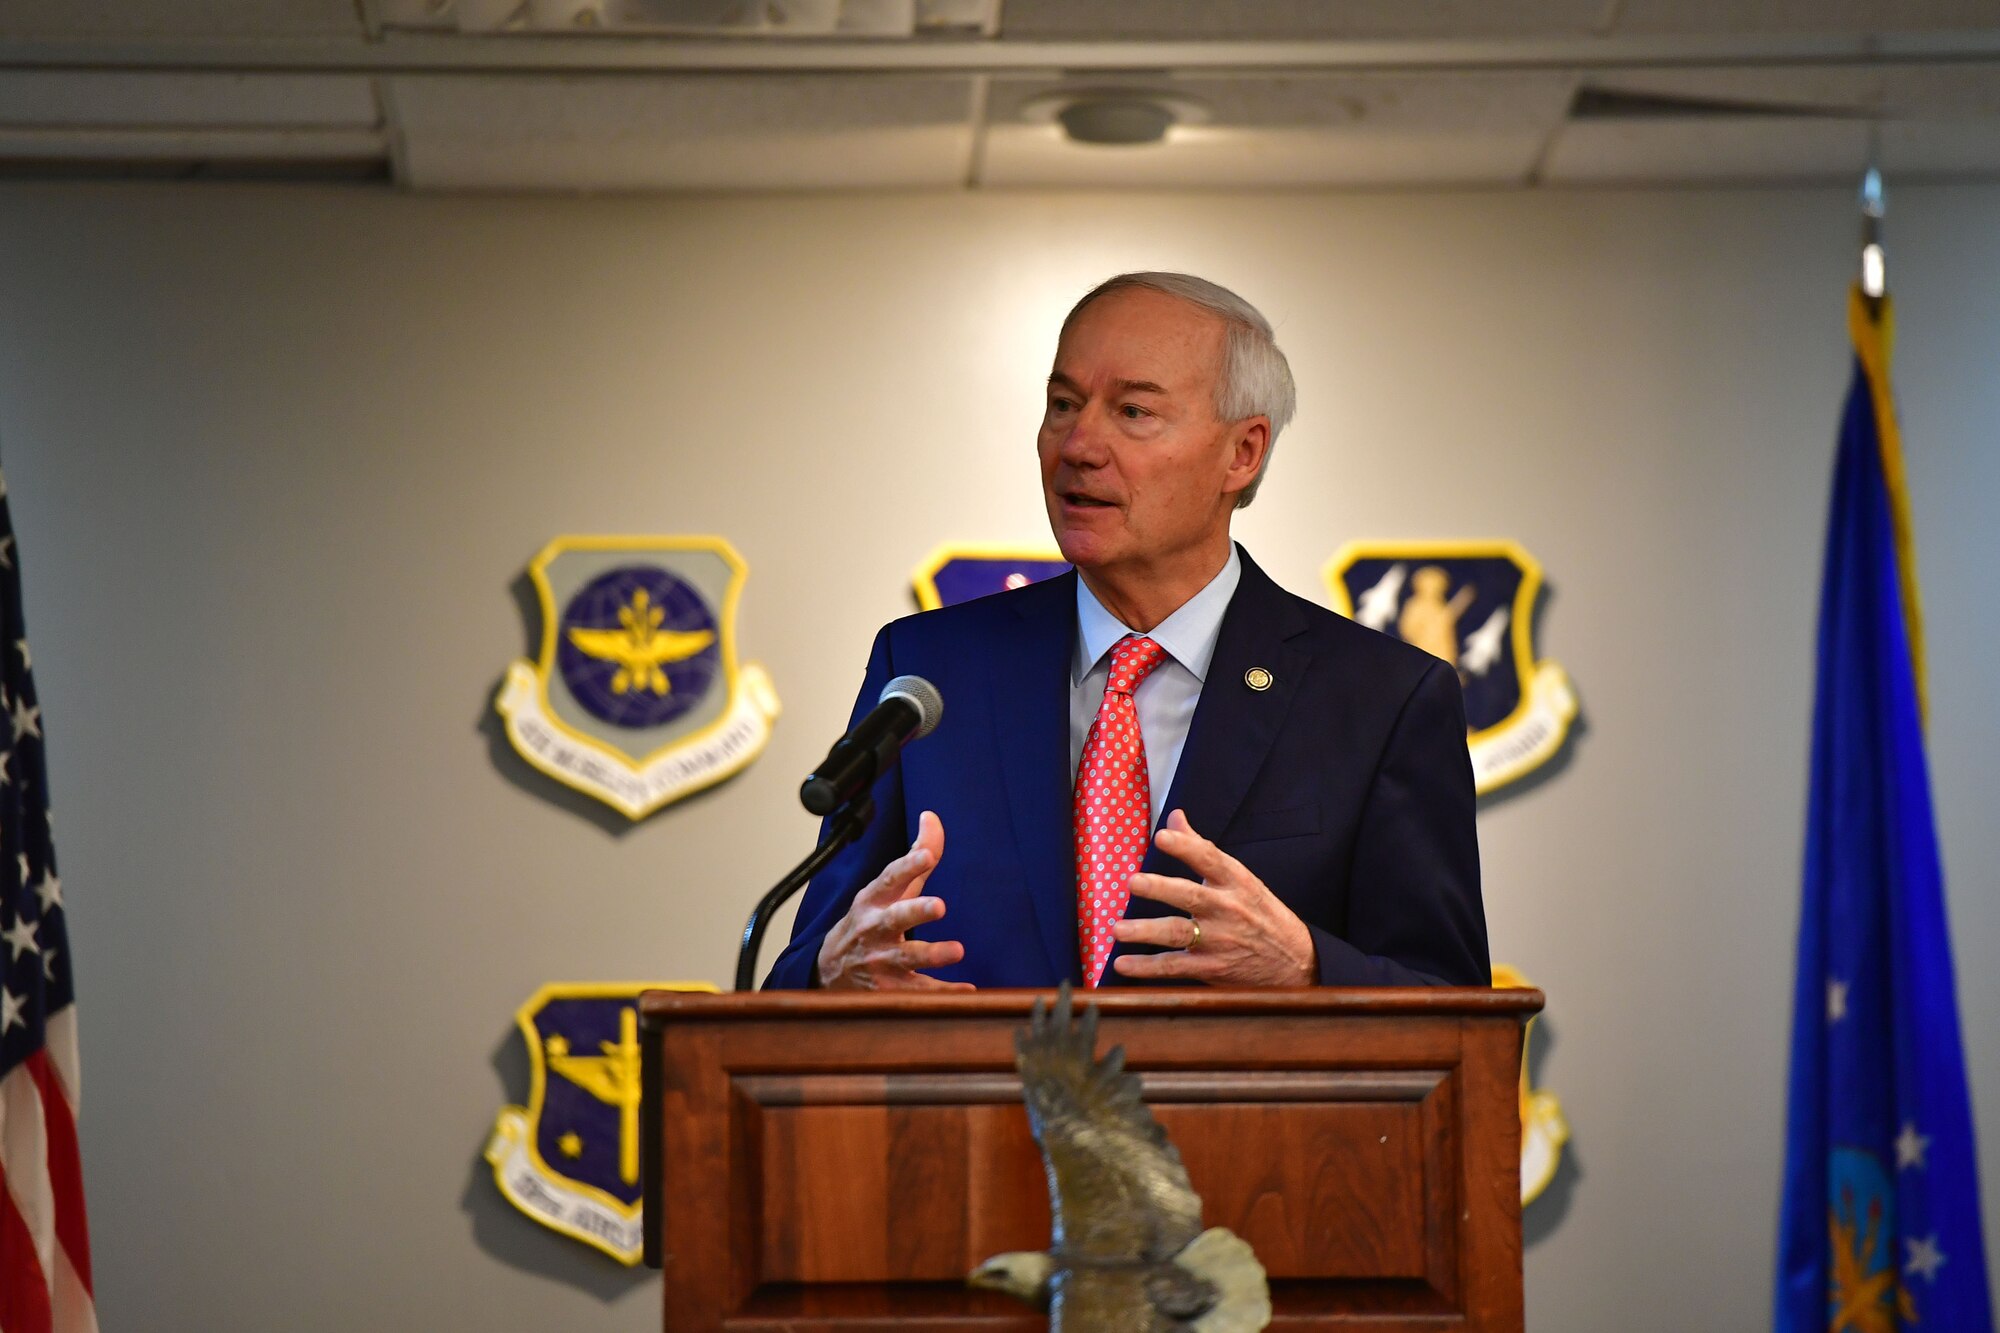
(1256, 380)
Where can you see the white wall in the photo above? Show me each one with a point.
(277, 456)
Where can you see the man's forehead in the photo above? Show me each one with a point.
(1142, 337)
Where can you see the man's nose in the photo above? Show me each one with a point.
(1083, 446)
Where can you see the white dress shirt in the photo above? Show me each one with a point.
(1166, 698)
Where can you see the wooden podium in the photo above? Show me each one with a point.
(840, 1161)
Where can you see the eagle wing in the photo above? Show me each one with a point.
(1116, 1185)
(606, 645)
(592, 1073)
(675, 645)
(615, 645)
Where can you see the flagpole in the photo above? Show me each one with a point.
(1880, 1225)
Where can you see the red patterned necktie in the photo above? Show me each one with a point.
(1113, 810)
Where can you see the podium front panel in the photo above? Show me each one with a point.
(841, 1162)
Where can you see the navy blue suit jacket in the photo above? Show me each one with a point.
(1346, 787)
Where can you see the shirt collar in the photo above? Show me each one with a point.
(1188, 635)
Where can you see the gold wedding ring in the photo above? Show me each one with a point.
(1197, 934)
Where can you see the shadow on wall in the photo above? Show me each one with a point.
(507, 1234)
(1540, 1219)
(1548, 772)
(1547, 1212)
(508, 762)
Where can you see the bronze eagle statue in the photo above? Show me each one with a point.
(1129, 1254)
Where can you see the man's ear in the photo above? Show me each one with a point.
(1250, 442)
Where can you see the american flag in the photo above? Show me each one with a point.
(44, 1238)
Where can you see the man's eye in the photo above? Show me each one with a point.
(1132, 411)
(1060, 404)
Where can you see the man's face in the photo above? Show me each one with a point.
(1136, 469)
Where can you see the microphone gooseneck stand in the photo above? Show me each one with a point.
(844, 826)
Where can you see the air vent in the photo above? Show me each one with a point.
(1602, 104)
(191, 168)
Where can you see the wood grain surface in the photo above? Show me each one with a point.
(839, 1162)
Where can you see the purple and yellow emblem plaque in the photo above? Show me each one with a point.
(637, 697)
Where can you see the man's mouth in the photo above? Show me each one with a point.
(1082, 501)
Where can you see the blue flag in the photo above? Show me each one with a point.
(1879, 1230)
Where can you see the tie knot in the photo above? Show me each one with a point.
(1132, 660)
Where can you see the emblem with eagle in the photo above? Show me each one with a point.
(639, 647)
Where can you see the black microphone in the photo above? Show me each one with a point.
(910, 710)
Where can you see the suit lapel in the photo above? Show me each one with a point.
(1234, 725)
(1031, 683)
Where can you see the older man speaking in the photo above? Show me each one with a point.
(1161, 767)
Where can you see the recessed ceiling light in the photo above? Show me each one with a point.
(1114, 116)
(1121, 120)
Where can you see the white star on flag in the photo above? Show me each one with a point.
(11, 1006)
(50, 892)
(20, 937)
(27, 721)
(49, 964)
(1911, 1147)
(1836, 1001)
(1925, 1257)
(22, 646)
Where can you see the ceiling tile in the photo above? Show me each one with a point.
(1758, 149)
(691, 133)
(85, 99)
(44, 19)
(881, 159)
(593, 106)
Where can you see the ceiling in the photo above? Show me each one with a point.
(727, 95)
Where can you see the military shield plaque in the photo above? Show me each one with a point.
(570, 1157)
(1471, 604)
(958, 573)
(637, 698)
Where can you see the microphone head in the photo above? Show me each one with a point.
(921, 695)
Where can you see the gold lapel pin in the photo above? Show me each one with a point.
(1257, 678)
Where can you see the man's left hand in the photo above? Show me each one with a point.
(1247, 937)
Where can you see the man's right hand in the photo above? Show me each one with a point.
(865, 950)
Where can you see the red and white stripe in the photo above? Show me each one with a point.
(44, 1237)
